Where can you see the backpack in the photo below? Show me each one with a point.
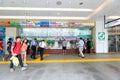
(14, 45)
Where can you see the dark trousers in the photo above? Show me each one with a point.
(88, 49)
(41, 52)
(20, 61)
(9, 54)
(34, 52)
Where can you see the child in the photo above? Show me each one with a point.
(23, 50)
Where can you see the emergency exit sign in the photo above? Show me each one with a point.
(101, 35)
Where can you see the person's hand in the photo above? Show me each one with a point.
(14, 54)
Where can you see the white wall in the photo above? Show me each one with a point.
(101, 45)
(11, 32)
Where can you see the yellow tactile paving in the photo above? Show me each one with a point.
(69, 61)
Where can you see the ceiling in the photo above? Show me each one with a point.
(98, 8)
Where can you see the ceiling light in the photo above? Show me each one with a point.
(43, 17)
(113, 17)
(59, 3)
(81, 3)
(44, 9)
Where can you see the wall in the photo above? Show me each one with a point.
(10, 32)
(101, 45)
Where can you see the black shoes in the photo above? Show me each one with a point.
(41, 59)
(33, 57)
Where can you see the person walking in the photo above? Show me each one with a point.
(9, 43)
(1, 50)
(64, 46)
(81, 45)
(42, 46)
(24, 51)
(16, 51)
(34, 47)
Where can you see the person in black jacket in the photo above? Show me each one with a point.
(9, 43)
(88, 45)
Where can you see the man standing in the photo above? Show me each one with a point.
(42, 46)
(9, 43)
(33, 47)
(64, 46)
(16, 51)
(88, 46)
(81, 45)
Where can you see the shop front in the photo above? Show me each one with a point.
(53, 33)
(54, 36)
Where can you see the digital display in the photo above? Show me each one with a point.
(112, 23)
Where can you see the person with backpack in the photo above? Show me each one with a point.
(9, 43)
(24, 51)
(16, 51)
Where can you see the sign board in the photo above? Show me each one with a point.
(101, 35)
(112, 23)
(56, 32)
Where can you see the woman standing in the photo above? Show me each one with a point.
(24, 50)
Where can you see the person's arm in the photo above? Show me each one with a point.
(12, 47)
(45, 44)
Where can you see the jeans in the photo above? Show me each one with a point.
(2, 54)
(20, 61)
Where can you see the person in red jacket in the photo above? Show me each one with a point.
(16, 51)
(1, 50)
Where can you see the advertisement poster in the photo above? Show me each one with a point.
(2, 32)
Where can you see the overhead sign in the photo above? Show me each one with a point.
(55, 32)
(32, 23)
(101, 35)
(112, 23)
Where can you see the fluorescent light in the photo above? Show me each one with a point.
(43, 17)
(44, 9)
(113, 17)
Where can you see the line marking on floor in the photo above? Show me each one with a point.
(68, 61)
